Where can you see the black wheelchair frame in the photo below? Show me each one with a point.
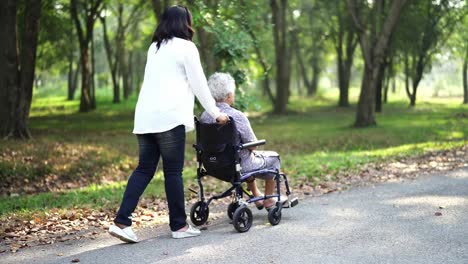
(238, 211)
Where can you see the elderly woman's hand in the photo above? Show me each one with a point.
(222, 119)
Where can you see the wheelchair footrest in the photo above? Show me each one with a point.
(291, 203)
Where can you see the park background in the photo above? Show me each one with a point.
(336, 87)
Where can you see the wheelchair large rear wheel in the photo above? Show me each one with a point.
(274, 215)
(231, 209)
(242, 219)
(199, 213)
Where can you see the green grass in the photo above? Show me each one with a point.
(93, 196)
(98, 150)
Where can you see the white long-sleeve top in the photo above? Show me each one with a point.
(173, 75)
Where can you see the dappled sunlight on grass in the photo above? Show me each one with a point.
(72, 150)
(43, 165)
(319, 163)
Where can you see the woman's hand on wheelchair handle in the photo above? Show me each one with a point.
(222, 119)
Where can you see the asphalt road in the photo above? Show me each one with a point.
(389, 223)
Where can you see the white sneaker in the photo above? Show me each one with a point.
(124, 234)
(190, 232)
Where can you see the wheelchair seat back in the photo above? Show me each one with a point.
(216, 149)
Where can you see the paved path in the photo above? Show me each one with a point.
(390, 223)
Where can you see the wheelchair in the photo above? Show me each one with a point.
(218, 156)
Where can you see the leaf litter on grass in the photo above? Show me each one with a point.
(77, 223)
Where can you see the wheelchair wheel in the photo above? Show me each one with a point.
(274, 216)
(231, 209)
(199, 213)
(242, 219)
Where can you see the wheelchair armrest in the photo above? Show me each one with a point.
(253, 144)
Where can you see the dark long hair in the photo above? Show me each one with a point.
(175, 22)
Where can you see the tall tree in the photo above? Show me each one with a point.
(282, 54)
(159, 6)
(249, 23)
(308, 36)
(85, 12)
(465, 76)
(57, 45)
(204, 13)
(458, 43)
(429, 25)
(373, 47)
(17, 64)
(115, 48)
(345, 41)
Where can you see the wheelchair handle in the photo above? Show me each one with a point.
(253, 144)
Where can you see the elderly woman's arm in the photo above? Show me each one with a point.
(245, 129)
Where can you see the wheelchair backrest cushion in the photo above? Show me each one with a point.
(216, 143)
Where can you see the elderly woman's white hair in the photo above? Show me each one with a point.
(221, 84)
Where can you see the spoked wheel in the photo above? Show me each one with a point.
(274, 215)
(199, 213)
(242, 219)
(231, 209)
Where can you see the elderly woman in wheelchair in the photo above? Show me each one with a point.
(228, 152)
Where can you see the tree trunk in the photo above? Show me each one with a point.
(17, 70)
(113, 62)
(465, 78)
(138, 75)
(28, 63)
(312, 89)
(407, 75)
(75, 79)
(344, 64)
(413, 94)
(365, 112)
(343, 77)
(9, 75)
(388, 77)
(282, 56)
(413, 99)
(379, 87)
(374, 55)
(211, 63)
(87, 100)
(385, 89)
(125, 76)
(344, 94)
(128, 91)
(344, 74)
(300, 63)
(265, 66)
(93, 73)
(70, 77)
(417, 79)
(158, 8)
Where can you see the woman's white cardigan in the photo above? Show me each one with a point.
(173, 76)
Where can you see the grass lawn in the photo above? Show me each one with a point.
(83, 159)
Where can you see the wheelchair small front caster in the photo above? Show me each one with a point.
(274, 215)
(231, 209)
(199, 213)
(242, 219)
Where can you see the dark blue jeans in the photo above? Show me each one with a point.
(169, 145)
